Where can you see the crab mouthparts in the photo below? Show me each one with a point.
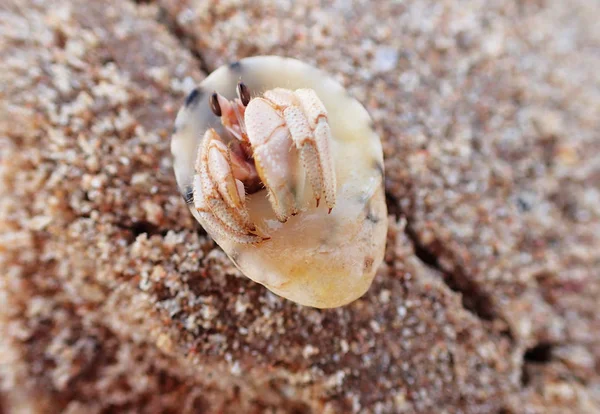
(243, 166)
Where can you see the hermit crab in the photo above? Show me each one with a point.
(282, 168)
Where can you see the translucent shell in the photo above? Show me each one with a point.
(316, 257)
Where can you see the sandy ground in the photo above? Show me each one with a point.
(112, 299)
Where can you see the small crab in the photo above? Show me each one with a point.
(270, 135)
(286, 177)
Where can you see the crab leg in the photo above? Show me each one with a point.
(303, 138)
(311, 134)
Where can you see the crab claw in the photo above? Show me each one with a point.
(219, 197)
(276, 164)
(282, 120)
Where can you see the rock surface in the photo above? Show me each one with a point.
(113, 299)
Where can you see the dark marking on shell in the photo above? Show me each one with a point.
(188, 195)
(368, 263)
(235, 67)
(371, 215)
(349, 95)
(379, 167)
(234, 256)
(193, 98)
(372, 218)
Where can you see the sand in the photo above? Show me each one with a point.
(112, 298)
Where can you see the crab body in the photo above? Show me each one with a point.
(288, 181)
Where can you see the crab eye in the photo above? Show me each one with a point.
(243, 93)
(214, 104)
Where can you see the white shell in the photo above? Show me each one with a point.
(315, 258)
